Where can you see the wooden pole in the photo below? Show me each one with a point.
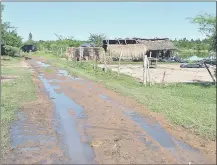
(210, 73)
(144, 69)
(94, 60)
(163, 77)
(80, 54)
(119, 63)
(105, 65)
(149, 75)
(146, 73)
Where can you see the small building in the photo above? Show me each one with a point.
(157, 48)
(28, 48)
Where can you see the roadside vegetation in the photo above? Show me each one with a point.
(14, 93)
(188, 105)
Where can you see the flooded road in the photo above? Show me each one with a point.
(89, 124)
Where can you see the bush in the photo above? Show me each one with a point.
(12, 51)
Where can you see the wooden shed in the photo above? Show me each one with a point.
(134, 48)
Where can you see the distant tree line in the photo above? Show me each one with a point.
(196, 45)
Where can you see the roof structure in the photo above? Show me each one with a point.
(151, 44)
(88, 45)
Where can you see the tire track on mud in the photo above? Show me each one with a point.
(92, 126)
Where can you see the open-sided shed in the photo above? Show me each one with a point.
(134, 48)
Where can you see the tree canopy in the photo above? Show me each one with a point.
(9, 34)
(207, 26)
(97, 39)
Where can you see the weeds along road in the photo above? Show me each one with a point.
(75, 120)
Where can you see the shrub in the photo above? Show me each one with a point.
(12, 51)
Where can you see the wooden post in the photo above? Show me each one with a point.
(146, 75)
(119, 63)
(96, 59)
(163, 77)
(210, 73)
(80, 54)
(105, 65)
(149, 75)
(144, 69)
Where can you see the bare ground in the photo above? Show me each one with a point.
(92, 116)
(167, 73)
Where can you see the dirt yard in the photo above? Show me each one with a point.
(76, 120)
(167, 73)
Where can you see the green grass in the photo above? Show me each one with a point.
(188, 105)
(14, 94)
(186, 53)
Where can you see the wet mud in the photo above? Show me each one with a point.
(95, 125)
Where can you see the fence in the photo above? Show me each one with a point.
(84, 53)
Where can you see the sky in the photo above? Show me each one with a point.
(113, 19)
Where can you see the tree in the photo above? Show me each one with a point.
(207, 25)
(9, 34)
(97, 39)
(30, 36)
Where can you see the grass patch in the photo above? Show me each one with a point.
(188, 105)
(14, 94)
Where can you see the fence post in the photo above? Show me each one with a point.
(149, 75)
(144, 69)
(94, 59)
(105, 65)
(119, 63)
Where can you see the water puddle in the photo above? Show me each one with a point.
(42, 64)
(157, 132)
(194, 58)
(54, 80)
(20, 133)
(104, 97)
(65, 73)
(26, 149)
(78, 151)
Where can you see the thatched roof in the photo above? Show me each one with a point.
(151, 44)
(158, 44)
(127, 50)
(139, 48)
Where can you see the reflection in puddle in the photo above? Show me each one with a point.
(66, 74)
(54, 80)
(79, 152)
(19, 133)
(104, 97)
(157, 132)
(26, 149)
(42, 64)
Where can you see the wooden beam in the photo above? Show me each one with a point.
(210, 73)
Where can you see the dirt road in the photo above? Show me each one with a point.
(78, 121)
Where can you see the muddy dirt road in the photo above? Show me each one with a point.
(78, 121)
